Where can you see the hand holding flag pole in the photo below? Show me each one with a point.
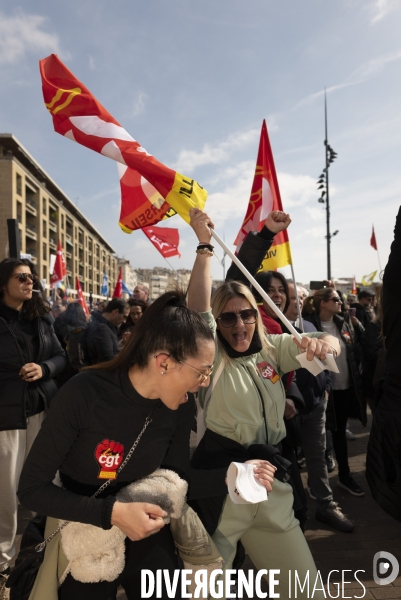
(319, 365)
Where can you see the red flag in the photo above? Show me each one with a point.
(60, 268)
(118, 292)
(165, 239)
(80, 297)
(78, 116)
(373, 239)
(265, 197)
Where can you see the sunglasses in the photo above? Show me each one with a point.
(336, 299)
(23, 277)
(247, 316)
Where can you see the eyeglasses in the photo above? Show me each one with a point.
(23, 277)
(247, 316)
(202, 375)
(336, 299)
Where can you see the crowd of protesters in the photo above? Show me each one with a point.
(101, 381)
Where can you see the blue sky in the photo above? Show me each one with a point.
(192, 82)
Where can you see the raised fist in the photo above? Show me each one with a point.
(109, 454)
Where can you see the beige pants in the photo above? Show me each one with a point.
(14, 447)
(272, 538)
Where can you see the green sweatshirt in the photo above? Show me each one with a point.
(235, 407)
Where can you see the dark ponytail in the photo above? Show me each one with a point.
(312, 303)
(166, 325)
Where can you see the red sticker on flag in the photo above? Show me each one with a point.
(267, 372)
(109, 454)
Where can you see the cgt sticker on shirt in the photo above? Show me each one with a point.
(267, 371)
(109, 455)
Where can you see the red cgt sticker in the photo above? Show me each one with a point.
(267, 372)
(109, 454)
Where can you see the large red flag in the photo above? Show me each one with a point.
(60, 268)
(118, 291)
(165, 239)
(80, 117)
(265, 197)
(80, 297)
(373, 242)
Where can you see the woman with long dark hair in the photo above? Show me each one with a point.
(136, 311)
(95, 420)
(323, 310)
(30, 357)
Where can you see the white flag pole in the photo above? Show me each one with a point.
(257, 287)
(321, 364)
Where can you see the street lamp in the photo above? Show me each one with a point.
(323, 184)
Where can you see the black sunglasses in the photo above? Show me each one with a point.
(336, 299)
(23, 277)
(229, 319)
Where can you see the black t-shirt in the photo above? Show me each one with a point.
(92, 423)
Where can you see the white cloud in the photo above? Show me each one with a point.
(139, 105)
(23, 33)
(188, 160)
(363, 73)
(92, 63)
(379, 9)
(296, 190)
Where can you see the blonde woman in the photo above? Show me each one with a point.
(244, 417)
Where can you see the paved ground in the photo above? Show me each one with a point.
(375, 531)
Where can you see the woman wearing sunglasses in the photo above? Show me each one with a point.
(243, 412)
(323, 309)
(30, 357)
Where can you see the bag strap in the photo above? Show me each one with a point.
(148, 420)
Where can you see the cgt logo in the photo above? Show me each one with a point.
(385, 568)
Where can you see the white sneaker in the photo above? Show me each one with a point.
(349, 435)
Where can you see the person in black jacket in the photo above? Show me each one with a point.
(102, 335)
(383, 464)
(30, 357)
(92, 425)
(347, 390)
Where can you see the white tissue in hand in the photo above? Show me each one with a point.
(317, 365)
(242, 485)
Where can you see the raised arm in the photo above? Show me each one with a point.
(200, 285)
(256, 246)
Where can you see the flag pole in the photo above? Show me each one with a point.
(257, 287)
(322, 364)
(301, 323)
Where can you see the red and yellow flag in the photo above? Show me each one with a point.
(164, 239)
(265, 197)
(80, 117)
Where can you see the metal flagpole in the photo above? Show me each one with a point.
(301, 323)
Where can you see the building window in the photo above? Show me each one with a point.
(44, 206)
(62, 221)
(62, 239)
(44, 272)
(44, 228)
(44, 252)
(19, 184)
(19, 211)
